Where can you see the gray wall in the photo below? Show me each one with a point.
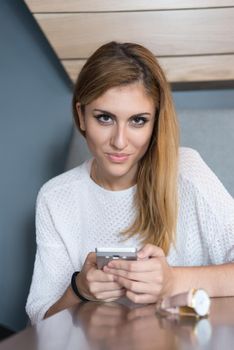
(207, 124)
(35, 129)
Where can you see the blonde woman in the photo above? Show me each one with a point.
(138, 190)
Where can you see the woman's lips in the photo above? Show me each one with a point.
(117, 157)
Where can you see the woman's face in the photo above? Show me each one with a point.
(118, 127)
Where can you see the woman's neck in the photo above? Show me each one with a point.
(119, 183)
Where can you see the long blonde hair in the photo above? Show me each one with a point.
(115, 64)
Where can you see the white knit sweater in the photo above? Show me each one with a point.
(74, 215)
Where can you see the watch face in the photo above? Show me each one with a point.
(201, 302)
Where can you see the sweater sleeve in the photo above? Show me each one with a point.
(215, 210)
(52, 267)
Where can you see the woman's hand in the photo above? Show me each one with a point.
(94, 284)
(145, 280)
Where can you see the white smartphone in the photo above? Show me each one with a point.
(104, 255)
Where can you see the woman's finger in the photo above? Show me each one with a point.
(97, 287)
(141, 298)
(147, 277)
(110, 295)
(135, 266)
(139, 287)
(150, 250)
(94, 275)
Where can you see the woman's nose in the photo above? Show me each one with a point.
(119, 138)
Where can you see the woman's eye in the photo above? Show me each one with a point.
(104, 118)
(139, 121)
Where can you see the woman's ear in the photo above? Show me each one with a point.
(80, 116)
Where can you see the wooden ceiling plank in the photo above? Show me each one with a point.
(46, 6)
(180, 69)
(193, 32)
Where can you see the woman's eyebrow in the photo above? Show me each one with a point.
(113, 115)
(140, 114)
(104, 112)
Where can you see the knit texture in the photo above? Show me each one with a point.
(74, 215)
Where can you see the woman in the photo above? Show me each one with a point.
(138, 190)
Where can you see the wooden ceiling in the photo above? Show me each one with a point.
(193, 39)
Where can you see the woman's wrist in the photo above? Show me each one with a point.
(174, 282)
(184, 278)
(170, 285)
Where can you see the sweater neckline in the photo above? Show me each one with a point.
(101, 189)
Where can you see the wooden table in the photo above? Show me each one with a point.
(124, 326)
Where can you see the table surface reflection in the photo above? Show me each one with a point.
(125, 326)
